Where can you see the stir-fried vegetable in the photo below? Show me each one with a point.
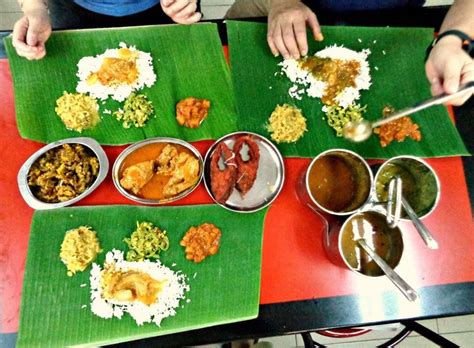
(338, 116)
(137, 109)
(146, 242)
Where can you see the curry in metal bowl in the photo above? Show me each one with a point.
(62, 173)
(158, 170)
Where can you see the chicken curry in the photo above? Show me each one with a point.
(159, 171)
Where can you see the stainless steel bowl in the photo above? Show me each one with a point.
(132, 148)
(22, 177)
(270, 177)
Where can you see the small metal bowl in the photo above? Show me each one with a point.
(118, 164)
(270, 177)
(37, 204)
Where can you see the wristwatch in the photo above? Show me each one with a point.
(467, 42)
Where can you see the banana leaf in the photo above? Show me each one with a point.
(188, 61)
(55, 309)
(398, 79)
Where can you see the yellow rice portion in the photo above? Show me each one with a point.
(77, 111)
(286, 124)
(79, 248)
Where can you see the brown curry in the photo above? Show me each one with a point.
(338, 74)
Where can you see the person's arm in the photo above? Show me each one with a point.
(31, 32)
(287, 20)
(448, 65)
(181, 11)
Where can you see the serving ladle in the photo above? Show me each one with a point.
(402, 285)
(358, 131)
(398, 281)
(397, 199)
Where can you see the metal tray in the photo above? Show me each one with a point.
(22, 177)
(270, 176)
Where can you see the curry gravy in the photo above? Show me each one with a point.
(338, 74)
(154, 188)
(332, 183)
(386, 242)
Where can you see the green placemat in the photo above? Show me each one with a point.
(188, 61)
(224, 288)
(398, 79)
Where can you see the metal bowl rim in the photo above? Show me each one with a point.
(22, 176)
(339, 243)
(371, 175)
(422, 161)
(131, 148)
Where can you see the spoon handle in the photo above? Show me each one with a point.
(420, 226)
(439, 99)
(402, 285)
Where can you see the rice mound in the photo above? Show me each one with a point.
(88, 65)
(305, 83)
(167, 300)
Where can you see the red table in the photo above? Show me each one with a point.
(294, 266)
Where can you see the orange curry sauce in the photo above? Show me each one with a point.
(116, 70)
(154, 188)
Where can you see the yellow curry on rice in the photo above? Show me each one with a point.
(337, 73)
(115, 71)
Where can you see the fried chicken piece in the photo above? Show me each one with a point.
(223, 181)
(137, 176)
(185, 174)
(246, 169)
(190, 112)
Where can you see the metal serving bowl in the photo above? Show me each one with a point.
(120, 159)
(22, 177)
(270, 177)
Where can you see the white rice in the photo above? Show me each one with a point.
(305, 82)
(167, 300)
(88, 65)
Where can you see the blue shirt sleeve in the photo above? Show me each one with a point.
(117, 8)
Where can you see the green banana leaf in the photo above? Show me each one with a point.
(188, 61)
(398, 79)
(224, 288)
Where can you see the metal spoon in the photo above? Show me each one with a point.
(394, 202)
(393, 213)
(361, 130)
(402, 285)
(420, 226)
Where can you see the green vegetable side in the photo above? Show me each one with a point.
(136, 110)
(146, 242)
(338, 116)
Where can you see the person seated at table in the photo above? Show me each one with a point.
(448, 64)
(31, 31)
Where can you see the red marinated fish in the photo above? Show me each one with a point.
(246, 169)
(223, 181)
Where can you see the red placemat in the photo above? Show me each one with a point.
(294, 264)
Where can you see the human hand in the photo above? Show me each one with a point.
(286, 33)
(448, 66)
(181, 11)
(30, 34)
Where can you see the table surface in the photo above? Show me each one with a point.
(292, 300)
